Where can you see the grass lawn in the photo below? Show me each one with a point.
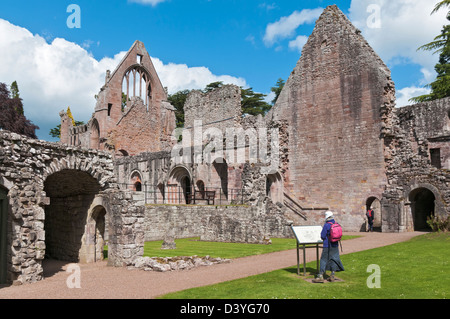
(193, 246)
(416, 269)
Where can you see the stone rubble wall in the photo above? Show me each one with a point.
(416, 129)
(25, 164)
(174, 263)
(241, 224)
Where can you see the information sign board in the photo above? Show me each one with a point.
(308, 234)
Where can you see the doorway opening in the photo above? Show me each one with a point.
(422, 207)
(71, 195)
(375, 204)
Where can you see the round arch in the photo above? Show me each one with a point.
(97, 231)
(423, 206)
(179, 185)
(374, 203)
(136, 180)
(274, 187)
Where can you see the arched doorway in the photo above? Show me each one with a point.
(422, 207)
(375, 204)
(274, 187)
(179, 186)
(136, 181)
(99, 232)
(3, 234)
(71, 193)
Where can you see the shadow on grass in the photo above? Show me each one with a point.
(309, 270)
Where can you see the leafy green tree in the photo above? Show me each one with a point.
(14, 90)
(177, 100)
(277, 90)
(440, 88)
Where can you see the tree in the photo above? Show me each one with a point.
(440, 88)
(12, 116)
(14, 90)
(253, 103)
(277, 90)
(212, 86)
(177, 100)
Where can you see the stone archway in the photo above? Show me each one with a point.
(274, 187)
(71, 194)
(179, 185)
(423, 206)
(98, 234)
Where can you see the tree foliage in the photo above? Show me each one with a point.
(177, 100)
(277, 90)
(12, 116)
(440, 88)
(253, 103)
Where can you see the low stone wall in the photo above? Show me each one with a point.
(242, 224)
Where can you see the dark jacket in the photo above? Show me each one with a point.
(326, 232)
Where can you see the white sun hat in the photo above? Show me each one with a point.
(328, 214)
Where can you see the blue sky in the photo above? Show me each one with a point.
(250, 43)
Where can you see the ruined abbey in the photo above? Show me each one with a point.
(334, 140)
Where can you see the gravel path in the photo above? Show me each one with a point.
(101, 282)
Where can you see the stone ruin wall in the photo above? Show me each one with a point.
(336, 102)
(220, 108)
(417, 129)
(56, 197)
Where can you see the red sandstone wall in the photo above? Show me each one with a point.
(333, 102)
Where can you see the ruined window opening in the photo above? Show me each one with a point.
(448, 121)
(435, 155)
(109, 109)
(122, 153)
(136, 181)
(135, 83)
(138, 186)
(139, 58)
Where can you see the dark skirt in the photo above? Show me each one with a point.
(330, 260)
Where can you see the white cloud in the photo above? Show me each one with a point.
(153, 3)
(404, 26)
(180, 77)
(53, 76)
(285, 27)
(298, 43)
(403, 95)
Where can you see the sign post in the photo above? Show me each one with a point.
(307, 237)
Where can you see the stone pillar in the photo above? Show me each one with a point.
(126, 230)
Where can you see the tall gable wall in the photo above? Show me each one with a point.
(337, 101)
